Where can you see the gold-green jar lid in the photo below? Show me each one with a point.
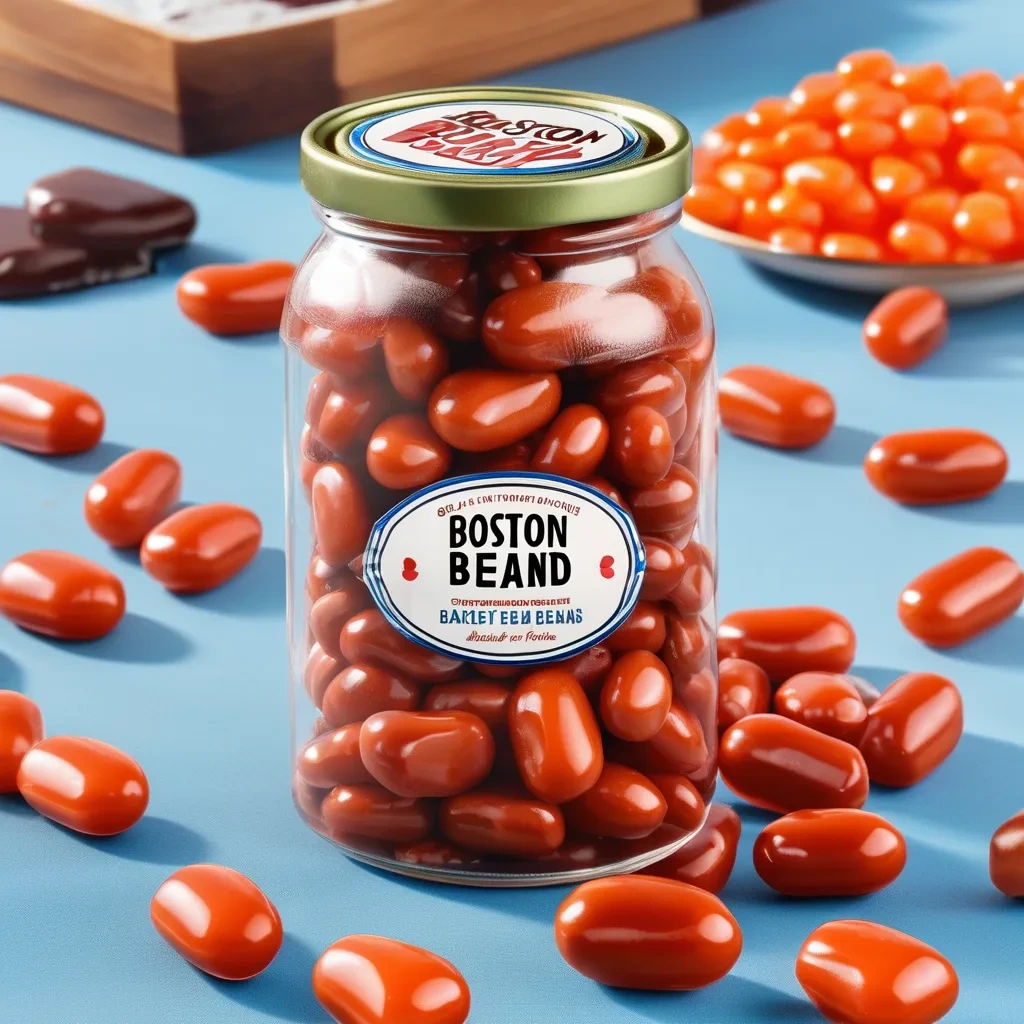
(495, 159)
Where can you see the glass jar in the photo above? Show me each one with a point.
(501, 486)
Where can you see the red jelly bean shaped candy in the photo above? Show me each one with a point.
(743, 689)
(426, 753)
(48, 417)
(201, 547)
(858, 972)
(505, 824)
(358, 691)
(785, 641)
(226, 298)
(373, 812)
(644, 629)
(636, 696)
(218, 920)
(664, 570)
(775, 408)
(341, 517)
(935, 467)
(574, 444)
(1006, 857)
(342, 413)
(415, 358)
(667, 507)
(830, 852)
(332, 610)
(684, 805)
(481, 697)
(367, 637)
(962, 597)
(906, 327)
(706, 860)
(642, 448)
(332, 759)
(21, 726)
(61, 595)
(654, 383)
(404, 453)
(783, 766)
(365, 979)
(622, 804)
(634, 931)
(825, 701)
(912, 728)
(555, 736)
(83, 784)
(131, 496)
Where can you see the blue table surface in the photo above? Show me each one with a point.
(196, 688)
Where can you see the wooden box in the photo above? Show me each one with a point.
(196, 95)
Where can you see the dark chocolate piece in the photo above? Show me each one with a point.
(30, 266)
(96, 210)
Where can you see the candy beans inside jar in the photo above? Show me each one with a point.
(501, 466)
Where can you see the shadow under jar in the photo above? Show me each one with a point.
(501, 485)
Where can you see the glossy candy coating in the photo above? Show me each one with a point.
(341, 517)
(367, 636)
(785, 641)
(634, 931)
(83, 784)
(641, 446)
(481, 697)
(132, 495)
(404, 453)
(573, 444)
(201, 547)
(332, 759)
(415, 358)
(555, 736)
(622, 804)
(783, 766)
(505, 824)
(61, 595)
(829, 852)
(774, 408)
(329, 612)
(664, 569)
(243, 298)
(858, 972)
(48, 417)
(371, 811)
(912, 728)
(667, 507)
(743, 689)
(644, 629)
(1006, 857)
(825, 701)
(21, 726)
(366, 979)
(935, 467)
(906, 327)
(707, 860)
(358, 691)
(962, 597)
(426, 753)
(636, 696)
(218, 920)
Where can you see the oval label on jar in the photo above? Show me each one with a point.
(485, 137)
(505, 568)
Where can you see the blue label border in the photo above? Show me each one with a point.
(634, 142)
(382, 528)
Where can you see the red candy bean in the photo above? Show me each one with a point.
(622, 804)
(367, 637)
(906, 327)
(574, 444)
(684, 804)
(707, 860)
(21, 726)
(743, 689)
(341, 518)
(502, 823)
(825, 701)
(404, 453)
(774, 408)
(1006, 857)
(131, 496)
(371, 811)
(358, 691)
(332, 759)
(415, 358)
(243, 298)
(636, 696)
(48, 417)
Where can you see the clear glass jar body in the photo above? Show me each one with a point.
(379, 318)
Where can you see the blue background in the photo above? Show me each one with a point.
(196, 688)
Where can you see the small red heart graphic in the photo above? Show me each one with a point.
(606, 567)
(409, 569)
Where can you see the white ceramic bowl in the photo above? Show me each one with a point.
(959, 284)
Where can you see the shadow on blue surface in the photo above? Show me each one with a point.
(88, 463)
(258, 591)
(283, 990)
(137, 640)
(1002, 647)
(1006, 505)
(195, 254)
(878, 675)
(12, 676)
(152, 841)
(12, 804)
(844, 446)
(852, 305)
(983, 343)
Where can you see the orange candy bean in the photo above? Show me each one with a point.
(743, 690)
(982, 88)
(783, 766)
(505, 824)
(785, 641)
(936, 207)
(793, 208)
(573, 444)
(365, 979)
(981, 160)
(824, 179)
(774, 408)
(132, 495)
(21, 726)
(747, 179)
(985, 220)
(201, 547)
(906, 327)
(707, 860)
(241, 929)
(795, 240)
(243, 298)
(912, 728)
(858, 972)
(404, 453)
(712, 204)
(61, 595)
(802, 139)
(634, 931)
(480, 410)
(869, 100)
(979, 124)
(332, 759)
(370, 811)
(825, 701)
(866, 66)
(865, 137)
(636, 696)
(83, 784)
(842, 245)
(962, 597)
(814, 96)
(1006, 857)
(895, 180)
(426, 753)
(622, 804)
(924, 124)
(936, 467)
(555, 736)
(829, 852)
(918, 242)
(922, 83)
(48, 417)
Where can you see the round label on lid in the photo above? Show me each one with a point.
(505, 568)
(496, 138)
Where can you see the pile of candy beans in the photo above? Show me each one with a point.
(873, 161)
